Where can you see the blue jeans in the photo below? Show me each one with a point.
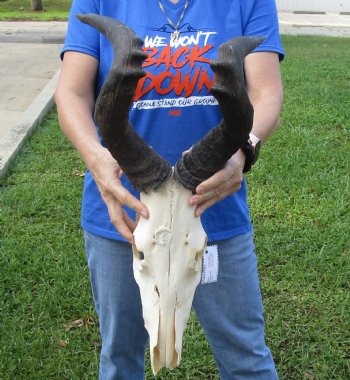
(229, 310)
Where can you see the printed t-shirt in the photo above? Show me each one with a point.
(173, 107)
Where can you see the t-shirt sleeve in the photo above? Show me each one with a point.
(81, 37)
(261, 19)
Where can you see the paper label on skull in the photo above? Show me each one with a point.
(210, 265)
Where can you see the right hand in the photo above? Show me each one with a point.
(107, 173)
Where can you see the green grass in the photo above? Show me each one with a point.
(21, 10)
(299, 196)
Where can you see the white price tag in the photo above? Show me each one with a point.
(210, 269)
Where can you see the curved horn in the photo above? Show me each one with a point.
(145, 169)
(211, 153)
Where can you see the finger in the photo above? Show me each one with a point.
(205, 205)
(216, 180)
(116, 215)
(129, 222)
(202, 202)
(215, 196)
(125, 198)
(218, 194)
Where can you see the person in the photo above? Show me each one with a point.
(172, 109)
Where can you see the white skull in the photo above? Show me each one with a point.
(167, 267)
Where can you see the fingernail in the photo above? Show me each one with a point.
(193, 201)
(200, 190)
(144, 214)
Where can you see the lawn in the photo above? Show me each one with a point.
(21, 10)
(299, 196)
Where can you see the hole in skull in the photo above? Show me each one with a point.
(198, 256)
(156, 290)
(141, 256)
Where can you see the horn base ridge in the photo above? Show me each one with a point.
(145, 169)
(211, 153)
(206, 157)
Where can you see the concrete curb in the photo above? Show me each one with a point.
(10, 146)
(33, 38)
(33, 32)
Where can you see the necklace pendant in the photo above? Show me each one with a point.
(175, 36)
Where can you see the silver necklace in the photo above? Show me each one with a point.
(175, 35)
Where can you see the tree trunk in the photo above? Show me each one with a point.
(36, 5)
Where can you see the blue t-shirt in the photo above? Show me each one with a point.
(173, 107)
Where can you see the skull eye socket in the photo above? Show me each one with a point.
(138, 254)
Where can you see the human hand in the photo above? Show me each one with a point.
(106, 172)
(226, 181)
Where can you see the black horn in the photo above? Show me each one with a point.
(210, 154)
(145, 169)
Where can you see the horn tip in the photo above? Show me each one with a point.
(259, 39)
(87, 18)
(82, 17)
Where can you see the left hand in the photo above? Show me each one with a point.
(225, 182)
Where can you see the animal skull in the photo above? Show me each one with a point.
(170, 244)
(172, 241)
